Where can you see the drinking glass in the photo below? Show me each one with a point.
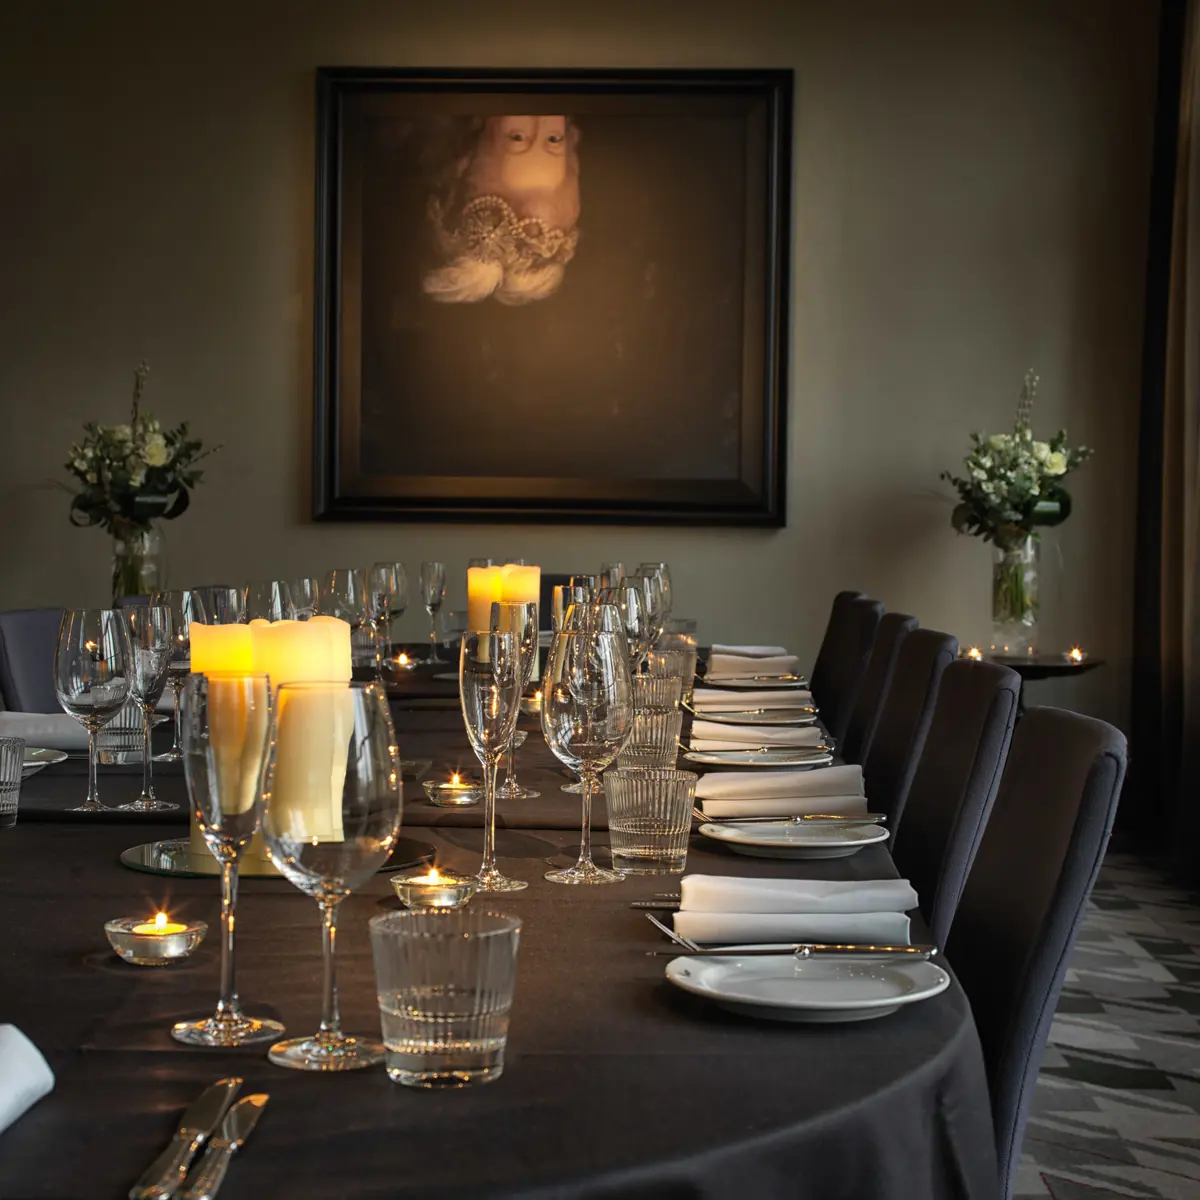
(590, 583)
(611, 574)
(630, 600)
(649, 819)
(489, 682)
(519, 619)
(331, 814)
(387, 598)
(12, 768)
(91, 678)
(149, 629)
(433, 592)
(587, 715)
(561, 598)
(305, 593)
(268, 601)
(654, 740)
(479, 562)
(343, 594)
(445, 986)
(655, 613)
(185, 607)
(226, 733)
(664, 581)
(222, 605)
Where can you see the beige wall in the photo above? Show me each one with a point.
(970, 200)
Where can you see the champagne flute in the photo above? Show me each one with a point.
(185, 607)
(270, 600)
(433, 592)
(305, 593)
(387, 590)
(662, 572)
(91, 678)
(331, 815)
(656, 615)
(226, 732)
(149, 629)
(489, 683)
(587, 716)
(519, 619)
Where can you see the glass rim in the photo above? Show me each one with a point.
(660, 774)
(10, 739)
(405, 923)
(296, 685)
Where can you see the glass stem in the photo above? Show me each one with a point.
(176, 688)
(93, 796)
(147, 781)
(331, 1021)
(489, 816)
(585, 839)
(433, 635)
(228, 1003)
(512, 764)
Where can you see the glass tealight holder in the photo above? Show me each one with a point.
(145, 942)
(430, 888)
(531, 706)
(453, 793)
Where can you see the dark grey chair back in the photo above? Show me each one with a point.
(955, 785)
(1025, 897)
(864, 716)
(904, 720)
(843, 657)
(28, 640)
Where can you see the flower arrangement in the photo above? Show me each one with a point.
(135, 473)
(1013, 482)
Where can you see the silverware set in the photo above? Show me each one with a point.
(799, 819)
(211, 1118)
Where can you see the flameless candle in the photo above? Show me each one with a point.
(484, 587)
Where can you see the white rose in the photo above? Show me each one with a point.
(79, 464)
(1056, 463)
(1041, 451)
(156, 450)
(122, 433)
(998, 441)
(91, 477)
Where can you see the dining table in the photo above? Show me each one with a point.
(616, 1084)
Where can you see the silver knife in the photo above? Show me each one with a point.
(864, 818)
(203, 1115)
(205, 1181)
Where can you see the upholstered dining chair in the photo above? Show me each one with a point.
(28, 640)
(955, 785)
(864, 716)
(1025, 898)
(890, 765)
(842, 659)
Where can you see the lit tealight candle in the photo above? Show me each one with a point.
(531, 706)
(1075, 655)
(434, 889)
(456, 792)
(975, 654)
(159, 926)
(154, 943)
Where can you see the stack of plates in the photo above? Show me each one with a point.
(812, 839)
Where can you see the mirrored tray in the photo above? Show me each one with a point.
(173, 856)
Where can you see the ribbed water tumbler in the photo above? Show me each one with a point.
(649, 819)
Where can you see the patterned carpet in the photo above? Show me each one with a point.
(1117, 1111)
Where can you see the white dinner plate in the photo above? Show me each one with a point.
(758, 716)
(771, 756)
(754, 682)
(36, 758)
(821, 989)
(809, 840)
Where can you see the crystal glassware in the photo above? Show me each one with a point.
(591, 584)
(149, 629)
(629, 597)
(387, 588)
(344, 595)
(433, 592)
(649, 819)
(654, 740)
(12, 767)
(226, 733)
(663, 574)
(520, 619)
(270, 600)
(445, 983)
(222, 605)
(655, 693)
(305, 593)
(331, 816)
(91, 678)
(489, 681)
(656, 614)
(611, 574)
(185, 608)
(562, 597)
(587, 715)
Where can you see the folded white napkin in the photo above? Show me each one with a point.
(748, 651)
(24, 1076)
(730, 666)
(722, 700)
(709, 735)
(48, 731)
(721, 908)
(783, 806)
(845, 780)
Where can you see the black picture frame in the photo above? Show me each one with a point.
(705, 404)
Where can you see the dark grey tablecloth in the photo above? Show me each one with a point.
(616, 1084)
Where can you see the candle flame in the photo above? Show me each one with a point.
(402, 659)
(1075, 654)
(538, 694)
(433, 876)
(456, 779)
(160, 922)
(90, 646)
(975, 654)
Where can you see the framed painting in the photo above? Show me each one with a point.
(553, 296)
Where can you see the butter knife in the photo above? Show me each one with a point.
(164, 1175)
(205, 1181)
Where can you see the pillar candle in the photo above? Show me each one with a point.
(523, 585)
(484, 587)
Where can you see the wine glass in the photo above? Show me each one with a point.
(489, 683)
(305, 593)
(630, 601)
(561, 598)
(433, 592)
(226, 733)
(656, 615)
(149, 629)
(331, 814)
(611, 574)
(222, 605)
(663, 574)
(590, 583)
(479, 562)
(91, 678)
(387, 592)
(344, 594)
(519, 619)
(587, 716)
(270, 600)
(185, 607)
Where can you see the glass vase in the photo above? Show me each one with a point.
(138, 565)
(1015, 598)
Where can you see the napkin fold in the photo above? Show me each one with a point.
(881, 929)
(709, 735)
(748, 651)
(24, 1075)
(731, 666)
(843, 780)
(722, 700)
(785, 806)
(46, 731)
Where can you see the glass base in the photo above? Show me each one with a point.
(493, 881)
(229, 1030)
(576, 789)
(586, 872)
(91, 806)
(457, 1070)
(511, 791)
(141, 804)
(326, 1052)
(169, 756)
